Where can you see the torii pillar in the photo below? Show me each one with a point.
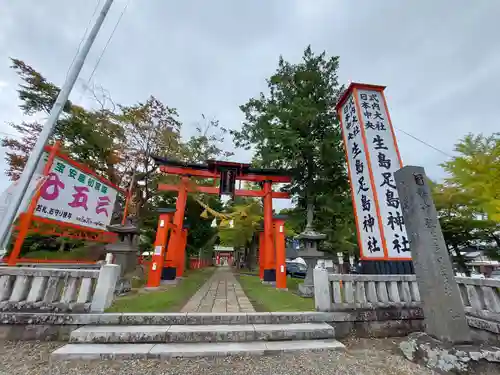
(157, 261)
(269, 250)
(279, 238)
(262, 254)
(175, 248)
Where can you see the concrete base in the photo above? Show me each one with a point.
(306, 290)
(169, 282)
(273, 283)
(382, 267)
(446, 358)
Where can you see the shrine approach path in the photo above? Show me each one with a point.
(220, 294)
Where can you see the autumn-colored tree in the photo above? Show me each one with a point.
(247, 215)
(476, 172)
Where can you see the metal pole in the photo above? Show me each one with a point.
(46, 132)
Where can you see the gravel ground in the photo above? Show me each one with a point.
(365, 356)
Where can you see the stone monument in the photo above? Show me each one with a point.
(310, 240)
(446, 344)
(125, 252)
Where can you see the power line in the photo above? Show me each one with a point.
(84, 35)
(425, 143)
(107, 44)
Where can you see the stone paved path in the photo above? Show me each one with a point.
(221, 293)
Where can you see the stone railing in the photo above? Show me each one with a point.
(50, 289)
(481, 299)
(334, 292)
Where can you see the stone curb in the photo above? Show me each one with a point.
(206, 350)
(202, 333)
(380, 314)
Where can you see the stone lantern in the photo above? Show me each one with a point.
(125, 252)
(309, 242)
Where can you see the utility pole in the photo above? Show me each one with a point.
(36, 153)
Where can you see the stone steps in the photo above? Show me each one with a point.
(201, 333)
(183, 350)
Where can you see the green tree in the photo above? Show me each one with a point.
(206, 143)
(88, 136)
(295, 127)
(115, 141)
(151, 129)
(247, 215)
(476, 171)
(461, 224)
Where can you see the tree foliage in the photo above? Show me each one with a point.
(461, 224)
(87, 135)
(247, 217)
(116, 141)
(294, 126)
(476, 171)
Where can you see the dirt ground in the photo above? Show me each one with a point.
(363, 356)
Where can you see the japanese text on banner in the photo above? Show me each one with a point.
(385, 161)
(364, 203)
(73, 196)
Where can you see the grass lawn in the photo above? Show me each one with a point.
(266, 298)
(170, 299)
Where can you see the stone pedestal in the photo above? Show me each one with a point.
(309, 252)
(125, 252)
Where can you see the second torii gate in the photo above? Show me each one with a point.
(227, 173)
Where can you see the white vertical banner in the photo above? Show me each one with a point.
(369, 236)
(373, 157)
(385, 160)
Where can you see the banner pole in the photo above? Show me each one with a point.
(128, 199)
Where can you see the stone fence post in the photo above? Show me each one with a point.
(105, 287)
(322, 290)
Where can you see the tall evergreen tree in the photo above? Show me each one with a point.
(295, 127)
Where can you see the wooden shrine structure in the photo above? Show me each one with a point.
(169, 255)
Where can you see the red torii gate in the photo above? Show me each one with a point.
(272, 259)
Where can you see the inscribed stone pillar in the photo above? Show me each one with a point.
(443, 309)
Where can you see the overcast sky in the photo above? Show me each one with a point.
(440, 60)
